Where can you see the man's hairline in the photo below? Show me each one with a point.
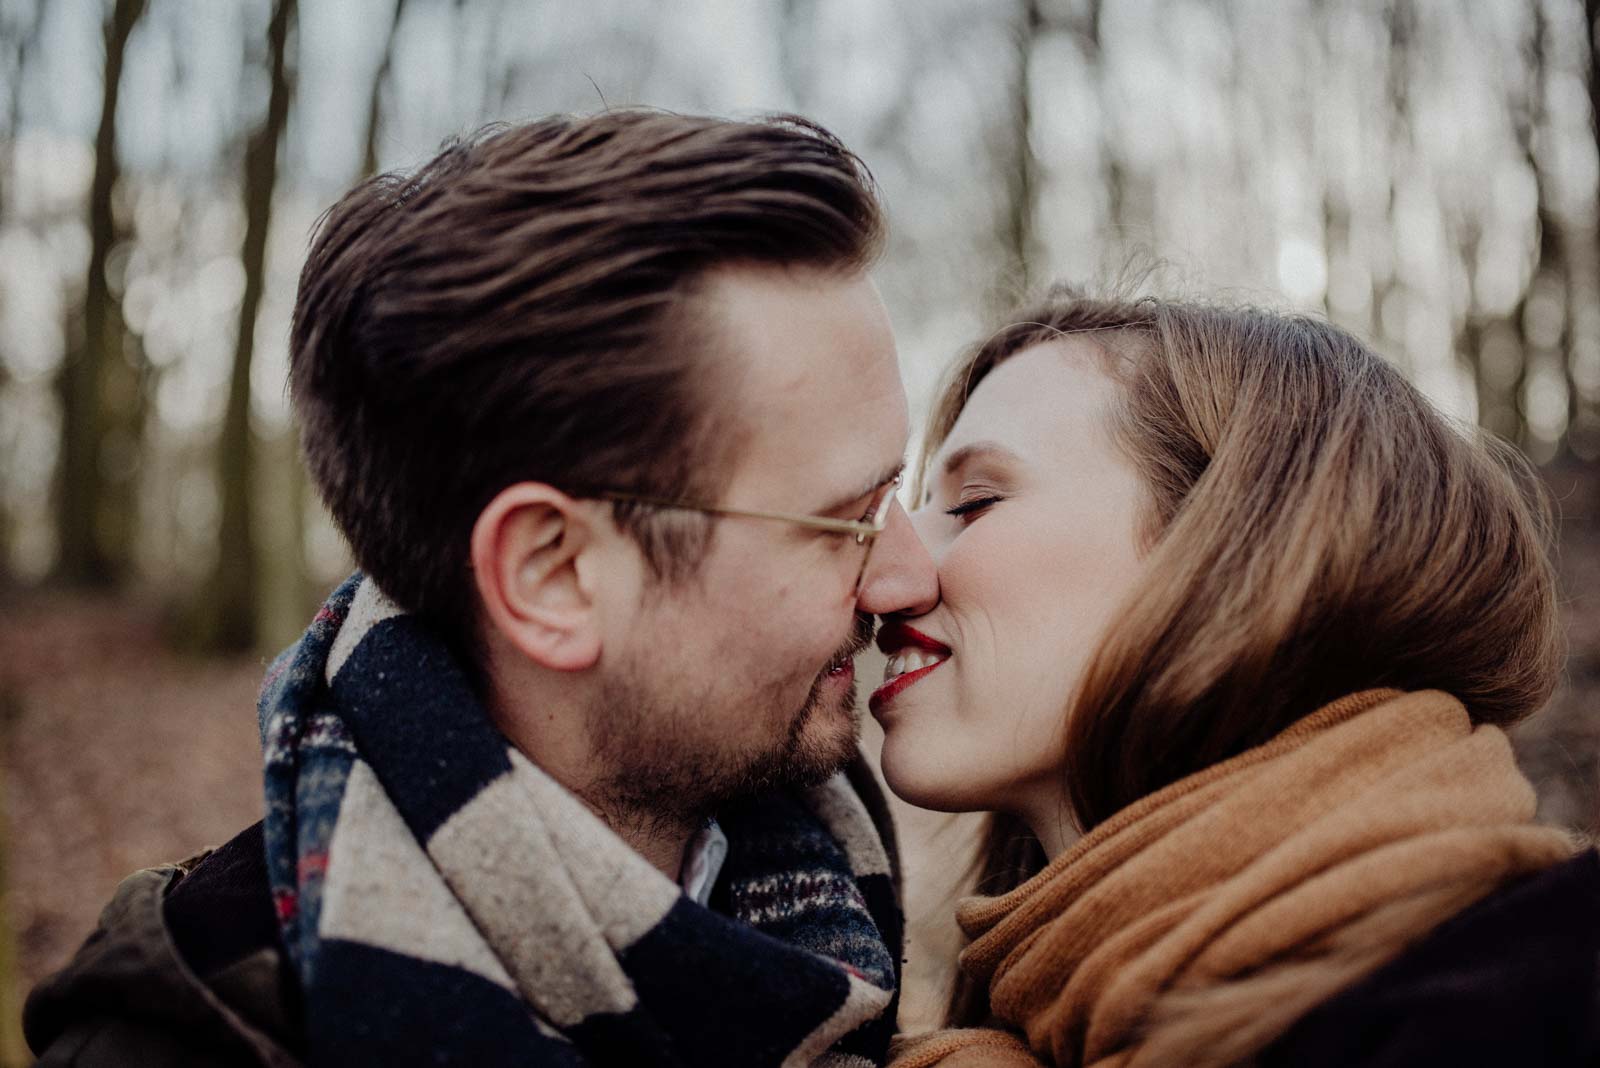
(695, 295)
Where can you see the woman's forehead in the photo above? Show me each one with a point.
(1033, 404)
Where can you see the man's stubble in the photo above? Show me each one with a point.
(669, 767)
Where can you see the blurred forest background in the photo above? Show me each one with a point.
(1424, 172)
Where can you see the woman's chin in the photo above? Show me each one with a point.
(924, 780)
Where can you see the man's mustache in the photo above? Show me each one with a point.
(861, 637)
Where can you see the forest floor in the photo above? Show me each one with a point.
(117, 753)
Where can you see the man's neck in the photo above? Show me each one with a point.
(554, 740)
(659, 839)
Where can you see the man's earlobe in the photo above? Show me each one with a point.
(528, 562)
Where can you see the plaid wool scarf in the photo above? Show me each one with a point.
(446, 902)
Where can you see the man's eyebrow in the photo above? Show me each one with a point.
(877, 480)
(978, 449)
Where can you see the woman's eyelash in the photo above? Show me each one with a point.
(974, 505)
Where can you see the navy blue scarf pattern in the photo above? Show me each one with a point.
(445, 902)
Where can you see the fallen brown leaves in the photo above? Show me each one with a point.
(118, 754)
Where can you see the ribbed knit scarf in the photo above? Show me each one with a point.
(1196, 925)
(446, 902)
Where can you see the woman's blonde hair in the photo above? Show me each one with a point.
(1313, 528)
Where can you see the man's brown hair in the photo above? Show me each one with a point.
(520, 309)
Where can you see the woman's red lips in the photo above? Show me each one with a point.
(896, 635)
(888, 690)
(894, 638)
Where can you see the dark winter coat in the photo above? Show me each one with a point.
(1514, 980)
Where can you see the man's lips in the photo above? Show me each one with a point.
(844, 662)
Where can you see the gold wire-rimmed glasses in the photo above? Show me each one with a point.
(865, 530)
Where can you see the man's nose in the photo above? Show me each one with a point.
(900, 576)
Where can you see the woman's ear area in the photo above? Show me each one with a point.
(530, 562)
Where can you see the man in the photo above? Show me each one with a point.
(610, 415)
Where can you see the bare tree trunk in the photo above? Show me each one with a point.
(1114, 177)
(1583, 431)
(369, 155)
(21, 36)
(1400, 19)
(1337, 214)
(797, 49)
(305, 592)
(1020, 180)
(231, 608)
(86, 556)
(1499, 393)
(1336, 227)
(1550, 270)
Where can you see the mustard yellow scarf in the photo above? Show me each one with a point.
(1199, 923)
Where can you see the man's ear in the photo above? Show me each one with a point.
(533, 575)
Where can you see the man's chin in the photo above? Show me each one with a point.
(826, 739)
(822, 739)
(688, 775)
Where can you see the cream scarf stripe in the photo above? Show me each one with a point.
(523, 848)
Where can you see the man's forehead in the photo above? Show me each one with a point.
(780, 324)
(811, 377)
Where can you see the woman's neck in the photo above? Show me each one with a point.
(1049, 817)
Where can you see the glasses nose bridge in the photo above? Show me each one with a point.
(866, 556)
(881, 521)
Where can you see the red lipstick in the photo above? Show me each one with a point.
(888, 690)
(894, 637)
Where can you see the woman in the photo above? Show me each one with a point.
(1222, 591)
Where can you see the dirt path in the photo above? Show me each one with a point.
(117, 755)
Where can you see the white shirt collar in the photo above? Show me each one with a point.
(702, 862)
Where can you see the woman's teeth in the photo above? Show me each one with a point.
(910, 660)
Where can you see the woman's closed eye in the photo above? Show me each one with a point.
(973, 506)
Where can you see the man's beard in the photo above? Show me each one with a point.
(664, 767)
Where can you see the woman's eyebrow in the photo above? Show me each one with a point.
(977, 450)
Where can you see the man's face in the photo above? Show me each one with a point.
(739, 677)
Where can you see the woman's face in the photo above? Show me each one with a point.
(1031, 518)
